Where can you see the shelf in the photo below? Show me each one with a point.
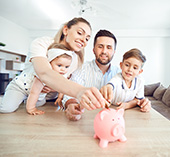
(14, 65)
(14, 53)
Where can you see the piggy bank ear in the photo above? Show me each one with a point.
(103, 114)
(120, 111)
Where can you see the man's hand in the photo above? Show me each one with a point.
(145, 105)
(107, 92)
(73, 111)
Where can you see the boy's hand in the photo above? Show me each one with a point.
(107, 92)
(145, 105)
(121, 105)
(35, 111)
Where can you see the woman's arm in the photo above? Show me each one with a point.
(62, 85)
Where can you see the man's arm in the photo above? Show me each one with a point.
(36, 88)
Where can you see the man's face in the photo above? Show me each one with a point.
(104, 50)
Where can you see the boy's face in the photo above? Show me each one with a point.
(131, 67)
(61, 65)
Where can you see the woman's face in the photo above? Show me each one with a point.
(77, 37)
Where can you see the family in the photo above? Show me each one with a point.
(54, 68)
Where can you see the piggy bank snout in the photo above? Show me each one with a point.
(117, 130)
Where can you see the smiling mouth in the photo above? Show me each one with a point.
(62, 73)
(127, 74)
(80, 45)
(104, 56)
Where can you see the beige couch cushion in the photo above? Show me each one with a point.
(159, 92)
(149, 89)
(166, 97)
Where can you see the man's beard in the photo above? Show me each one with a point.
(104, 62)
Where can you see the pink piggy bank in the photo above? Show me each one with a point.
(109, 126)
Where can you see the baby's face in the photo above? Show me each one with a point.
(131, 67)
(61, 65)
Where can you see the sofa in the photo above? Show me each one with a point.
(159, 97)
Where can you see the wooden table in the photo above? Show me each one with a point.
(52, 134)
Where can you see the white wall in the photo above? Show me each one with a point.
(14, 36)
(16, 39)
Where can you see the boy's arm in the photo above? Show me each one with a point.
(144, 104)
(36, 88)
(128, 105)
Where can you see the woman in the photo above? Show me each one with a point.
(74, 35)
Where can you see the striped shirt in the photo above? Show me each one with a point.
(91, 76)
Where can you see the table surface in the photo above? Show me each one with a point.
(52, 134)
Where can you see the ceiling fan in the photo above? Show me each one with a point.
(83, 6)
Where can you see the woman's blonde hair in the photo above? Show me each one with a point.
(60, 36)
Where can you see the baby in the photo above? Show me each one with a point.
(28, 86)
(60, 61)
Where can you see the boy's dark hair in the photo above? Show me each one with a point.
(135, 53)
(105, 33)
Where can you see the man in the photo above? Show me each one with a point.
(95, 73)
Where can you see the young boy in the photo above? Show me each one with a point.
(127, 88)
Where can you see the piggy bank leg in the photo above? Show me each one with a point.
(103, 143)
(123, 138)
(95, 136)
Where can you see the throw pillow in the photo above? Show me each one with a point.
(158, 93)
(149, 89)
(166, 97)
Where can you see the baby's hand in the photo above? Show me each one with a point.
(59, 103)
(35, 111)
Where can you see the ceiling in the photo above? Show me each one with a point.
(109, 14)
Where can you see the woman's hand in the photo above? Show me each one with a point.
(35, 111)
(91, 98)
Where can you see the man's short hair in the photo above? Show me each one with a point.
(105, 33)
